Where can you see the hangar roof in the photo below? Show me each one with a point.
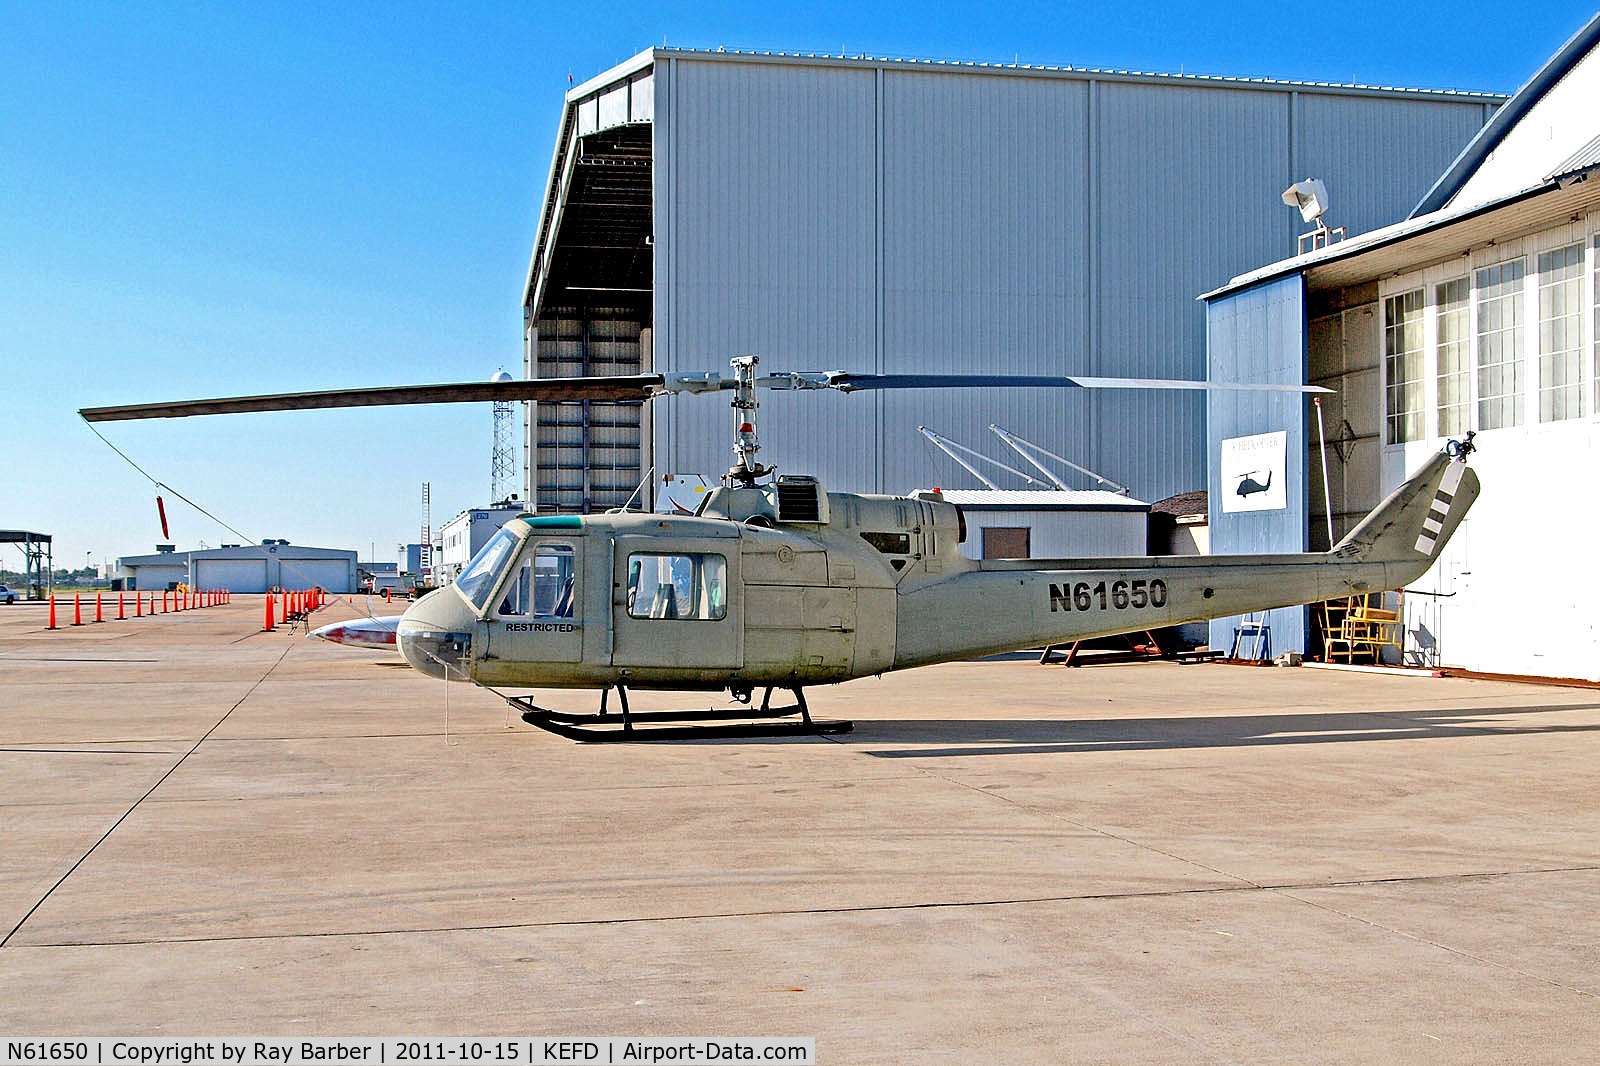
(248, 551)
(1042, 500)
(1038, 70)
(1538, 89)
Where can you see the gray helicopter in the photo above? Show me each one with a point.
(777, 584)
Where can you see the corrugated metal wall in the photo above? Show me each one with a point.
(1258, 335)
(864, 217)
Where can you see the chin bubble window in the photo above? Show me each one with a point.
(691, 586)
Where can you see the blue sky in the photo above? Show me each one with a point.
(209, 199)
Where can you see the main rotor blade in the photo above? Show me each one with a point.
(846, 382)
(547, 390)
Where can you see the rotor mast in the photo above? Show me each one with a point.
(746, 443)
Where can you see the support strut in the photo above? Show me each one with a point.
(629, 725)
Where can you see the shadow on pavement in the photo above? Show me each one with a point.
(1033, 737)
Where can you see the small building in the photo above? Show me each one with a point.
(272, 564)
(1180, 525)
(462, 536)
(1480, 314)
(375, 576)
(1050, 524)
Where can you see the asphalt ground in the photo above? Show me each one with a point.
(206, 830)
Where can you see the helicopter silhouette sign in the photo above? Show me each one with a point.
(1252, 472)
(776, 584)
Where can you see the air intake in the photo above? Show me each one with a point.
(799, 499)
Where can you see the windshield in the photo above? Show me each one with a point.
(478, 579)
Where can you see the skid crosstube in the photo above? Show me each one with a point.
(630, 726)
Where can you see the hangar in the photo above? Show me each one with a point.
(272, 564)
(1480, 312)
(885, 215)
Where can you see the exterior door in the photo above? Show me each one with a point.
(539, 615)
(676, 603)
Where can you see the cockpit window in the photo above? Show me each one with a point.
(545, 585)
(678, 586)
(478, 579)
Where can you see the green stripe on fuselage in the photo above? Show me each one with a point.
(555, 521)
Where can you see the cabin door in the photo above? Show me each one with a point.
(539, 616)
(676, 603)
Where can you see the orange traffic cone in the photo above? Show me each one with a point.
(52, 624)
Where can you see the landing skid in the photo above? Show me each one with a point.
(633, 726)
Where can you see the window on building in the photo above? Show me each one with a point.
(545, 585)
(1500, 344)
(1560, 334)
(1403, 352)
(1597, 323)
(1455, 383)
(1006, 542)
(678, 586)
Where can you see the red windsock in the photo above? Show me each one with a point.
(161, 509)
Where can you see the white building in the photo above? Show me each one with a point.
(462, 536)
(1050, 524)
(1479, 313)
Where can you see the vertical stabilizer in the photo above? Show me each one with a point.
(1413, 524)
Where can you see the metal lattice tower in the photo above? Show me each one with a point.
(504, 471)
(425, 563)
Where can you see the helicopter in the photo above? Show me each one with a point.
(776, 584)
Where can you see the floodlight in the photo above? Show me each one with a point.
(1310, 196)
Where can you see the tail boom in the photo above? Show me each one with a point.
(1025, 603)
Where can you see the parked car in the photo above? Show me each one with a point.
(7, 595)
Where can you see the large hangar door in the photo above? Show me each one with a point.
(330, 575)
(236, 575)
